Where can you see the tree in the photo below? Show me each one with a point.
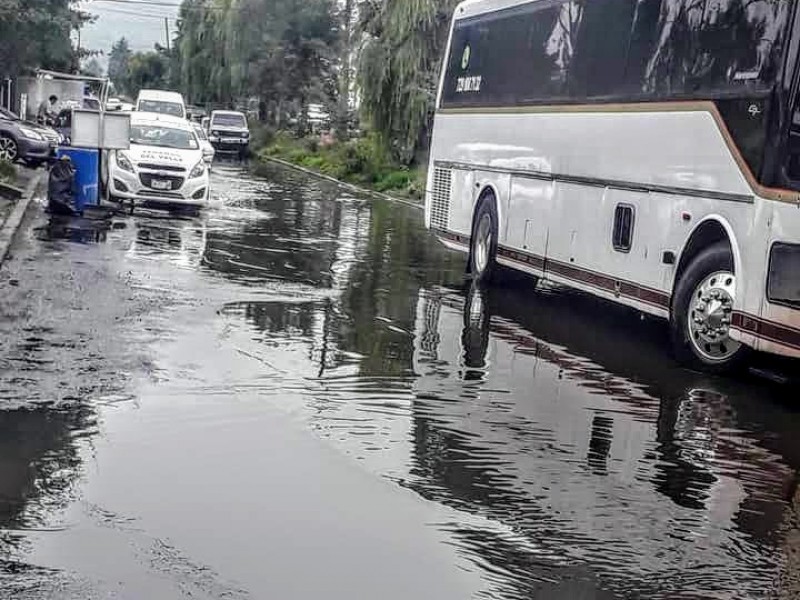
(147, 70)
(281, 51)
(399, 66)
(93, 68)
(119, 71)
(36, 33)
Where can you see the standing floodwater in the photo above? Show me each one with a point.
(295, 395)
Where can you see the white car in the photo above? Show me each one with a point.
(164, 165)
(208, 149)
(161, 101)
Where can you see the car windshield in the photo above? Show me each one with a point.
(165, 137)
(229, 121)
(159, 106)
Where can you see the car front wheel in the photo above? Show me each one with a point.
(9, 149)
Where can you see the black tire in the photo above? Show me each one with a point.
(716, 258)
(483, 251)
(475, 335)
(9, 148)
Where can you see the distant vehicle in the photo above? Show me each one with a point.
(208, 149)
(164, 165)
(91, 103)
(196, 113)
(25, 141)
(126, 107)
(228, 132)
(602, 149)
(163, 102)
(113, 104)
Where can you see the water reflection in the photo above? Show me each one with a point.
(574, 458)
(654, 484)
(585, 463)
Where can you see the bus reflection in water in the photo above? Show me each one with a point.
(649, 482)
(644, 151)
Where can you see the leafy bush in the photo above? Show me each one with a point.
(7, 171)
(363, 161)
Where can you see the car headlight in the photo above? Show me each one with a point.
(198, 171)
(124, 163)
(31, 134)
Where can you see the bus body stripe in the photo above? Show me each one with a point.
(747, 323)
(778, 194)
(619, 287)
(768, 330)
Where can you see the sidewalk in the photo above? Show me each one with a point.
(12, 211)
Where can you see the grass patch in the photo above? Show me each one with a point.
(361, 161)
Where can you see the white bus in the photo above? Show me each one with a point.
(646, 151)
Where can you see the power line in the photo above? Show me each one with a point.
(120, 11)
(148, 2)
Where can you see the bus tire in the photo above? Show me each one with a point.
(475, 335)
(483, 243)
(701, 312)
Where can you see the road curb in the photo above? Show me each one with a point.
(343, 184)
(14, 220)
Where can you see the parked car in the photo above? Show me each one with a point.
(25, 141)
(113, 104)
(228, 132)
(164, 164)
(163, 102)
(208, 149)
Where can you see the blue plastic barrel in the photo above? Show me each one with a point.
(86, 162)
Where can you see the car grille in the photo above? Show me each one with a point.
(147, 180)
(154, 167)
(151, 194)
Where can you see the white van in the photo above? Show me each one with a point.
(160, 101)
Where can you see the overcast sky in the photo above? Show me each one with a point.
(142, 26)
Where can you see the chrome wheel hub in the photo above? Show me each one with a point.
(8, 149)
(483, 243)
(709, 319)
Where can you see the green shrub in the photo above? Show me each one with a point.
(362, 161)
(7, 171)
(261, 136)
(393, 180)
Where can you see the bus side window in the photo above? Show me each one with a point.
(622, 237)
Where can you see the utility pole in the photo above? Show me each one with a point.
(166, 28)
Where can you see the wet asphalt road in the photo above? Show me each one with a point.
(293, 395)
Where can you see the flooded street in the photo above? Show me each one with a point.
(294, 395)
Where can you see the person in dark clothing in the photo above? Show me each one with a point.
(61, 188)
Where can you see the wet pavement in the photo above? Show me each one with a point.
(295, 395)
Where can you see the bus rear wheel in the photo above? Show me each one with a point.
(483, 244)
(702, 311)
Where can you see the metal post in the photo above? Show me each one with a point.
(166, 28)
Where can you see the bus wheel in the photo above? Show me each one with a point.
(483, 245)
(475, 335)
(702, 311)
